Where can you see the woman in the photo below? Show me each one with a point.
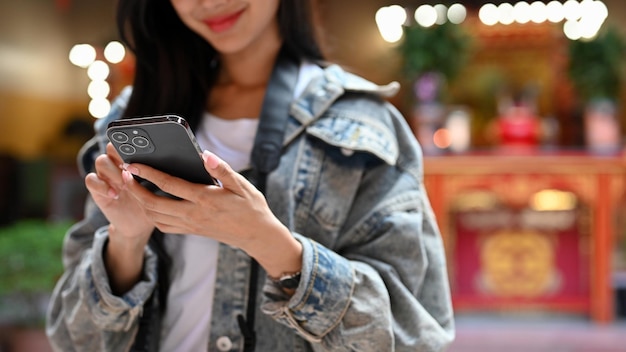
(349, 253)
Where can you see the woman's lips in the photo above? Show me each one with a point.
(223, 23)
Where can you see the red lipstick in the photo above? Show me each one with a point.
(223, 23)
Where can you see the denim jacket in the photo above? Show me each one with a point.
(350, 188)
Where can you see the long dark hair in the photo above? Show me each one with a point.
(175, 67)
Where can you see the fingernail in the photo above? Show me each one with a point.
(212, 162)
(133, 170)
(127, 176)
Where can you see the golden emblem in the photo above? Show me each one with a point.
(518, 263)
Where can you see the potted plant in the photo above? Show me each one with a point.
(596, 71)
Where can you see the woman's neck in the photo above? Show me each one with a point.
(242, 82)
(251, 68)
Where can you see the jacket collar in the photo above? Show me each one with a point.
(325, 89)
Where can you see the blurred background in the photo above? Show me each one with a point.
(518, 106)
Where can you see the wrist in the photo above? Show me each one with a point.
(123, 260)
(280, 257)
(126, 242)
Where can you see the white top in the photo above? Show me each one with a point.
(187, 320)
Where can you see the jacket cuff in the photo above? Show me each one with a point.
(115, 312)
(322, 297)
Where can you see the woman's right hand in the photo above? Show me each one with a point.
(129, 227)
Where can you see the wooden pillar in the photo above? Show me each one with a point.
(601, 291)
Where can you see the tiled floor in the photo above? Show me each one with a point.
(535, 334)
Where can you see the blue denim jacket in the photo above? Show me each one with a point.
(350, 188)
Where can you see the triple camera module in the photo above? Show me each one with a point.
(132, 141)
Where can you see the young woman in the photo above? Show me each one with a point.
(349, 254)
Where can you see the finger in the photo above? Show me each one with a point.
(159, 209)
(165, 182)
(113, 154)
(219, 169)
(98, 187)
(147, 199)
(167, 223)
(108, 170)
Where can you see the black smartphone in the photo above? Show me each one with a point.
(165, 143)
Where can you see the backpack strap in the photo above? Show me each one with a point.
(265, 157)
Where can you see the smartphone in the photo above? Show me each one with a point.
(165, 143)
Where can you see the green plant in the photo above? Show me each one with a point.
(30, 253)
(440, 48)
(596, 67)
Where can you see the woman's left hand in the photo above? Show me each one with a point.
(236, 214)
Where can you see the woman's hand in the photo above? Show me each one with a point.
(236, 213)
(129, 227)
(108, 189)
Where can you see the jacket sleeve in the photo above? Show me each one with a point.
(382, 284)
(83, 314)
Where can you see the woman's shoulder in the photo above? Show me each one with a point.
(332, 88)
(355, 113)
(362, 99)
(352, 82)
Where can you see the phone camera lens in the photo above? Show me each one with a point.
(140, 142)
(127, 149)
(119, 137)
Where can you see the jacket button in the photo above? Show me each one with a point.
(224, 343)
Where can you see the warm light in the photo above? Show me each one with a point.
(505, 13)
(442, 12)
(459, 130)
(389, 20)
(99, 108)
(553, 200)
(598, 10)
(426, 15)
(114, 52)
(98, 71)
(538, 12)
(572, 30)
(593, 11)
(488, 14)
(522, 12)
(555, 12)
(571, 10)
(82, 55)
(457, 13)
(98, 89)
(588, 28)
(441, 138)
(583, 18)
